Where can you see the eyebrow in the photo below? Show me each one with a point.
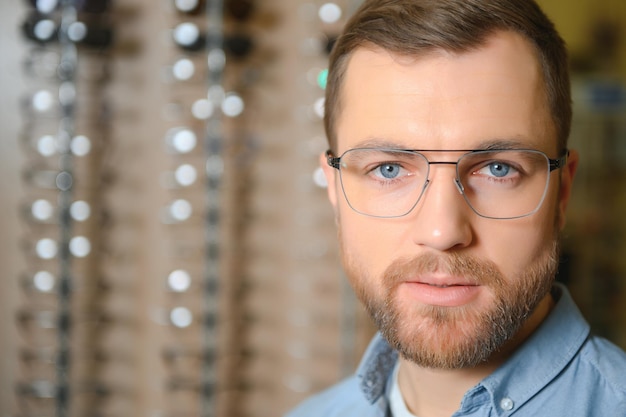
(487, 145)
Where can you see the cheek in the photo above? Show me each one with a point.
(519, 244)
(367, 244)
(522, 241)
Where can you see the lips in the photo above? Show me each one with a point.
(443, 292)
(442, 285)
(442, 281)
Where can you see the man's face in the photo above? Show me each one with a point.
(445, 286)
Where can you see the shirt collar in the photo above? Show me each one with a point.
(376, 367)
(540, 359)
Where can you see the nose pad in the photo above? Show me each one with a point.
(422, 192)
(459, 186)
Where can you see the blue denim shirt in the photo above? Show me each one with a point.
(560, 371)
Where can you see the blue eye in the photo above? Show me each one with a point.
(389, 171)
(499, 170)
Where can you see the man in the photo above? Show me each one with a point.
(449, 174)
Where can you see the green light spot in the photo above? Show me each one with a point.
(322, 79)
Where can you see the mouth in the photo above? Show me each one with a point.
(445, 285)
(443, 281)
(449, 292)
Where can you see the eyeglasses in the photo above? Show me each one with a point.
(496, 184)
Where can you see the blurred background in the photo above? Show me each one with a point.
(167, 249)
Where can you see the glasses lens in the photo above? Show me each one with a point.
(383, 182)
(504, 184)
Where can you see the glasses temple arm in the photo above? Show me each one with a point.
(559, 162)
(331, 160)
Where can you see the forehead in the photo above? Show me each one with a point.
(445, 100)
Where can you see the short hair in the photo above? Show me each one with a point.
(416, 27)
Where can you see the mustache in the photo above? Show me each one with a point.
(473, 270)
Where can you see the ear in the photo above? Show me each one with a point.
(567, 178)
(331, 180)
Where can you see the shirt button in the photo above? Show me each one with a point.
(506, 404)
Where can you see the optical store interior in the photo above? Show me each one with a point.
(167, 248)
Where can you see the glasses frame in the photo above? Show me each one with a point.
(553, 164)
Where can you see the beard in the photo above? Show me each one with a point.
(453, 337)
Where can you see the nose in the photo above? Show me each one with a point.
(441, 220)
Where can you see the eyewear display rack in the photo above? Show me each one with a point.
(194, 269)
(63, 122)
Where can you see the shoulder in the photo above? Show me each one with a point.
(593, 383)
(343, 399)
(362, 394)
(607, 362)
(597, 366)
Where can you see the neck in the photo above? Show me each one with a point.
(438, 392)
(435, 392)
